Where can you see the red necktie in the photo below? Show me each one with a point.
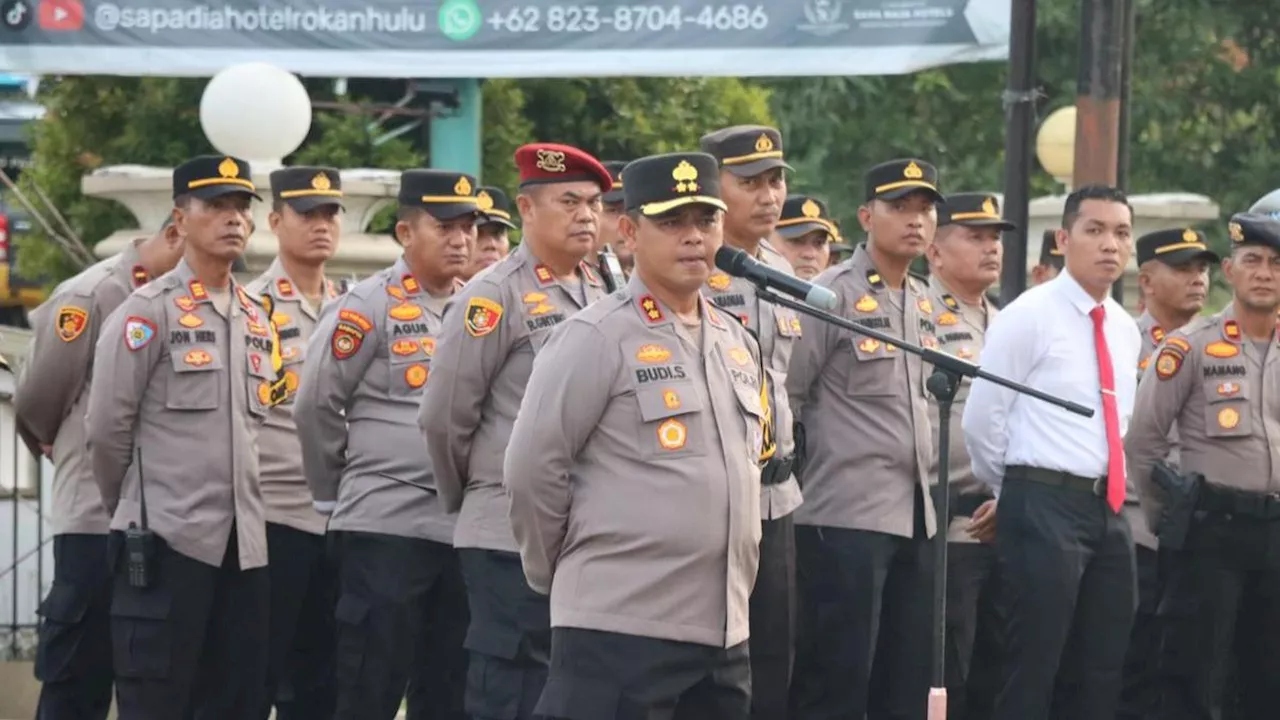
(1110, 414)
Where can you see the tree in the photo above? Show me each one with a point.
(97, 121)
(1204, 116)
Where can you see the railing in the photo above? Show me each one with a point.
(26, 553)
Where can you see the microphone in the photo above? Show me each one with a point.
(738, 264)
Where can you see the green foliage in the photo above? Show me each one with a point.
(96, 121)
(1203, 117)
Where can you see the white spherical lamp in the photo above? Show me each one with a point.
(1056, 144)
(256, 112)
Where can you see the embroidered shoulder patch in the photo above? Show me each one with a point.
(71, 322)
(138, 332)
(482, 316)
(1168, 363)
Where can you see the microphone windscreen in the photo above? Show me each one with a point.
(730, 260)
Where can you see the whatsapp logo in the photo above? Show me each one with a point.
(459, 19)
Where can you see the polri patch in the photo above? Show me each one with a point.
(482, 316)
(71, 322)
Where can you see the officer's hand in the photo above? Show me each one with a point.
(982, 527)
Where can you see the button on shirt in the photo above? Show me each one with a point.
(1044, 339)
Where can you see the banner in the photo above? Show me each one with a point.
(501, 38)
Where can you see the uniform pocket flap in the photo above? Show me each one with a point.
(351, 609)
(66, 603)
(140, 604)
(659, 403)
(493, 640)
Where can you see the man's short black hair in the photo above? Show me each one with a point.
(409, 213)
(1107, 193)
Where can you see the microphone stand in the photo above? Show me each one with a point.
(943, 384)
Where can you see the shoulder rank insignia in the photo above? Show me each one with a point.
(543, 273)
(1168, 363)
(138, 332)
(140, 276)
(874, 280)
(1157, 334)
(71, 322)
(410, 284)
(652, 311)
(198, 292)
(482, 316)
(950, 301)
(1231, 330)
(284, 288)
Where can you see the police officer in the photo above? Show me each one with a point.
(612, 209)
(964, 262)
(862, 533)
(73, 659)
(805, 234)
(184, 372)
(1050, 261)
(754, 187)
(494, 329)
(493, 240)
(402, 610)
(1173, 275)
(1215, 378)
(304, 217)
(652, 402)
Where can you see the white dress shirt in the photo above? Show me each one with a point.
(1044, 339)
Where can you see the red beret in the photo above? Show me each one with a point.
(551, 163)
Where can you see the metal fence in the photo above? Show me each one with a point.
(26, 553)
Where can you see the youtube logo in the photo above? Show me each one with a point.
(61, 15)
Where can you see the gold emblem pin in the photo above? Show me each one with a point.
(912, 171)
(764, 143)
(989, 206)
(686, 177)
(321, 182)
(228, 168)
(463, 186)
(551, 161)
(484, 201)
(1235, 231)
(811, 209)
(1189, 235)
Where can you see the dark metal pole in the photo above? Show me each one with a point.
(1098, 96)
(1019, 104)
(1129, 11)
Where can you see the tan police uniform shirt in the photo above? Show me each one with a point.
(52, 389)
(190, 387)
(633, 472)
(357, 405)
(863, 406)
(1152, 336)
(776, 328)
(492, 332)
(284, 487)
(960, 329)
(1224, 397)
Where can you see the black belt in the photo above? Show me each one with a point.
(777, 470)
(1227, 501)
(1057, 478)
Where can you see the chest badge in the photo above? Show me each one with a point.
(719, 281)
(1228, 418)
(672, 434)
(866, 304)
(405, 311)
(190, 320)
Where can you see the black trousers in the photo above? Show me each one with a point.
(1140, 689)
(73, 659)
(977, 618)
(194, 643)
(864, 596)
(610, 676)
(773, 620)
(509, 639)
(1232, 572)
(1069, 564)
(303, 594)
(401, 618)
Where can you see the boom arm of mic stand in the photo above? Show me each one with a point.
(940, 360)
